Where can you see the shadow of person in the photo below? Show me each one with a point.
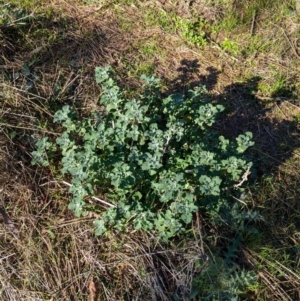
(276, 136)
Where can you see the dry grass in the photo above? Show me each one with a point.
(54, 256)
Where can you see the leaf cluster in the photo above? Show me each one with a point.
(155, 157)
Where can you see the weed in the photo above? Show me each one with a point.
(228, 23)
(279, 87)
(156, 157)
(166, 21)
(230, 46)
(196, 32)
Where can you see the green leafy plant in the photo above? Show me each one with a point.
(196, 32)
(218, 282)
(156, 159)
(230, 46)
(11, 15)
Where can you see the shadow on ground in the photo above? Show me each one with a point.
(276, 136)
(275, 125)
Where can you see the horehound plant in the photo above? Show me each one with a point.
(155, 159)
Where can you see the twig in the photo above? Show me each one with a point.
(20, 115)
(104, 202)
(27, 128)
(93, 197)
(5, 257)
(290, 271)
(239, 200)
(15, 21)
(252, 23)
(244, 178)
(288, 40)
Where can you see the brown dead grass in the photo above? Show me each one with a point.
(54, 256)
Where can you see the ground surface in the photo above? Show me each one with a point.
(48, 52)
